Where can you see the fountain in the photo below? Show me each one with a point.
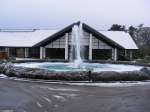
(76, 69)
(76, 46)
(76, 60)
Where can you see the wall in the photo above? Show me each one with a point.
(59, 43)
(96, 44)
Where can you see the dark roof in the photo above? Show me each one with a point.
(56, 35)
(86, 27)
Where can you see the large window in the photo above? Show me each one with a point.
(34, 52)
(12, 52)
(16, 52)
(55, 53)
(3, 53)
(101, 54)
(20, 52)
(2, 49)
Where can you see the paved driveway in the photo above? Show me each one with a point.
(21, 96)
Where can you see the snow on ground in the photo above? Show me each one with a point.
(69, 94)
(83, 83)
(55, 89)
(113, 84)
(26, 59)
(59, 97)
(3, 76)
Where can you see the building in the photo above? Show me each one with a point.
(52, 44)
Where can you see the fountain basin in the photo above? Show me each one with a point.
(66, 72)
(95, 67)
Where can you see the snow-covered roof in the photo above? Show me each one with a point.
(23, 38)
(29, 38)
(121, 38)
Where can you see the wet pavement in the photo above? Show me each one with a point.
(22, 96)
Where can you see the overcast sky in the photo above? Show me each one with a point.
(56, 14)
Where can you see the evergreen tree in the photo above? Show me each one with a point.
(132, 30)
(116, 27)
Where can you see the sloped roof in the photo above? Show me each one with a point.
(86, 28)
(36, 38)
(122, 38)
(102, 37)
(13, 38)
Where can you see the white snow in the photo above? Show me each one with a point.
(23, 38)
(3, 76)
(30, 38)
(59, 97)
(117, 68)
(36, 64)
(86, 83)
(121, 38)
(47, 99)
(69, 94)
(55, 89)
(39, 105)
(25, 59)
(113, 84)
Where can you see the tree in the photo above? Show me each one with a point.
(141, 35)
(132, 31)
(116, 27)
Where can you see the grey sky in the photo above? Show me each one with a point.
(56, 14)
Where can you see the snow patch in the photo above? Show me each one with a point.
(59, 97)
(39, 105)
(3, 76)
(47, 99)
(68, 94)
(113, 84)
(55, 89)
(85, 83)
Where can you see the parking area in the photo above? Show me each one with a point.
(26, 96)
